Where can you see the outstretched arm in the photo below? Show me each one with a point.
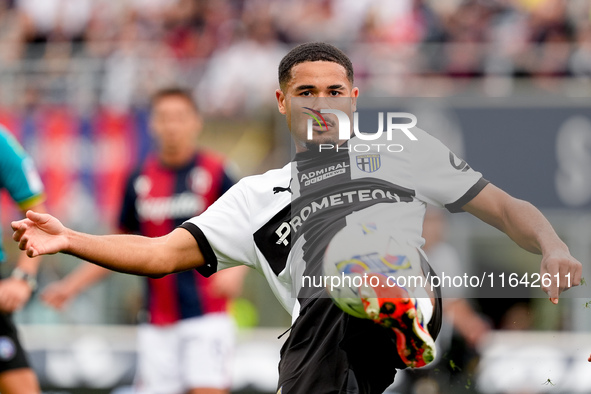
(41, 234)
(527, 227)
(57, 294)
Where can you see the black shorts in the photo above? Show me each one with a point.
(330, 351)
(12, 354)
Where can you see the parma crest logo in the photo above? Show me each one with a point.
(369, 163)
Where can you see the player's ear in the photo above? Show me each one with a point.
(198, 123)
(151, 125)
(354, 95)
(280, 96)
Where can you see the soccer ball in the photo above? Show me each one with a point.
(361, 263)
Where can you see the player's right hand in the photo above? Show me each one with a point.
(560, 264)
(40, 233)
(56, 295)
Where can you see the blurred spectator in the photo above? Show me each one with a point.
(580, 64)
(12, 33)
(186, 340)
(466, 30)
(240, 77)
(224, 46)
(46, 19)
(121, 70)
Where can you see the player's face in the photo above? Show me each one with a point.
(175, 124)
(316, 83)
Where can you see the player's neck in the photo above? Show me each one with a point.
(175, 159)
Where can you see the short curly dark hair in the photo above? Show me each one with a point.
(313, 52)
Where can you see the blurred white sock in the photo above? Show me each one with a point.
(424, 303)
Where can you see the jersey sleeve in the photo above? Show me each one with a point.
(128, 216)
(441, 178)
(223, 232)
(18, 174)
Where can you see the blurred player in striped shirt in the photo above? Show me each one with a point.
(186, 341)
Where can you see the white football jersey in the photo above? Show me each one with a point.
(280, 222)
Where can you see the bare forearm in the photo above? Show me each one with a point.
(135, 254)
(519, 219)
(130, 254)
(525, 225)
(41, 234)
(528, 228)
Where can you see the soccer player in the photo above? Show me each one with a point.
(280, 224)
(19, 177)
(188, 339)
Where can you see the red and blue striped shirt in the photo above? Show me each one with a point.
(157, 200)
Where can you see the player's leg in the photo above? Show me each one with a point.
(16, 376)
(407, 311)
(330, 351)
(207, 344)
(158, 362)
(374, 276)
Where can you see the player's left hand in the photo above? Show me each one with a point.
(568, 269)
(14, 294)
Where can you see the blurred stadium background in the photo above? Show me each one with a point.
(508, 83)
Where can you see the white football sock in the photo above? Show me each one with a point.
(424, 304)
